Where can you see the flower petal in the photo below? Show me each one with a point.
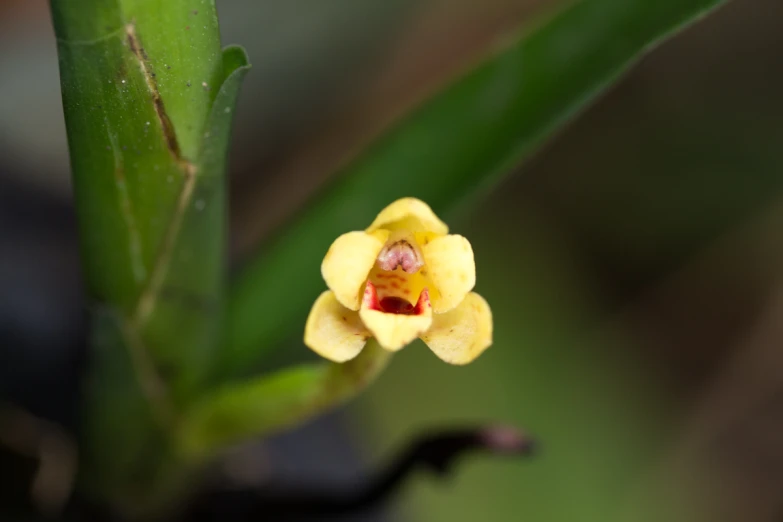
(348, 263)
(461, 335)
(395, 330)
(409, 214)
(333, 331)
(450, 266)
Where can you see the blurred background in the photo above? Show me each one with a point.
(633, 266)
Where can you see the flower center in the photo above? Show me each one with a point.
(398, 283)
(400, 253)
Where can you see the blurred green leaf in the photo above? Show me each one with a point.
(457, 144)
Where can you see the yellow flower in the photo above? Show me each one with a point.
(402, 278)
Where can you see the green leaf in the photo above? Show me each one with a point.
(185, 324)
(458, 144)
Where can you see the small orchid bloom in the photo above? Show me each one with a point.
(402, 278)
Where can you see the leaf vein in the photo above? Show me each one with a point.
(128, 213)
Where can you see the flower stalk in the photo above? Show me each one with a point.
(268, 404)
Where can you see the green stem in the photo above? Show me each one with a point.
(148, 97)
(272, 403)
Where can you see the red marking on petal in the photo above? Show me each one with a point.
(370, 299)
(423, 303)
(396, 285)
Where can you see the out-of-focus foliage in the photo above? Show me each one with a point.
(634, 261)
(455, 146)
